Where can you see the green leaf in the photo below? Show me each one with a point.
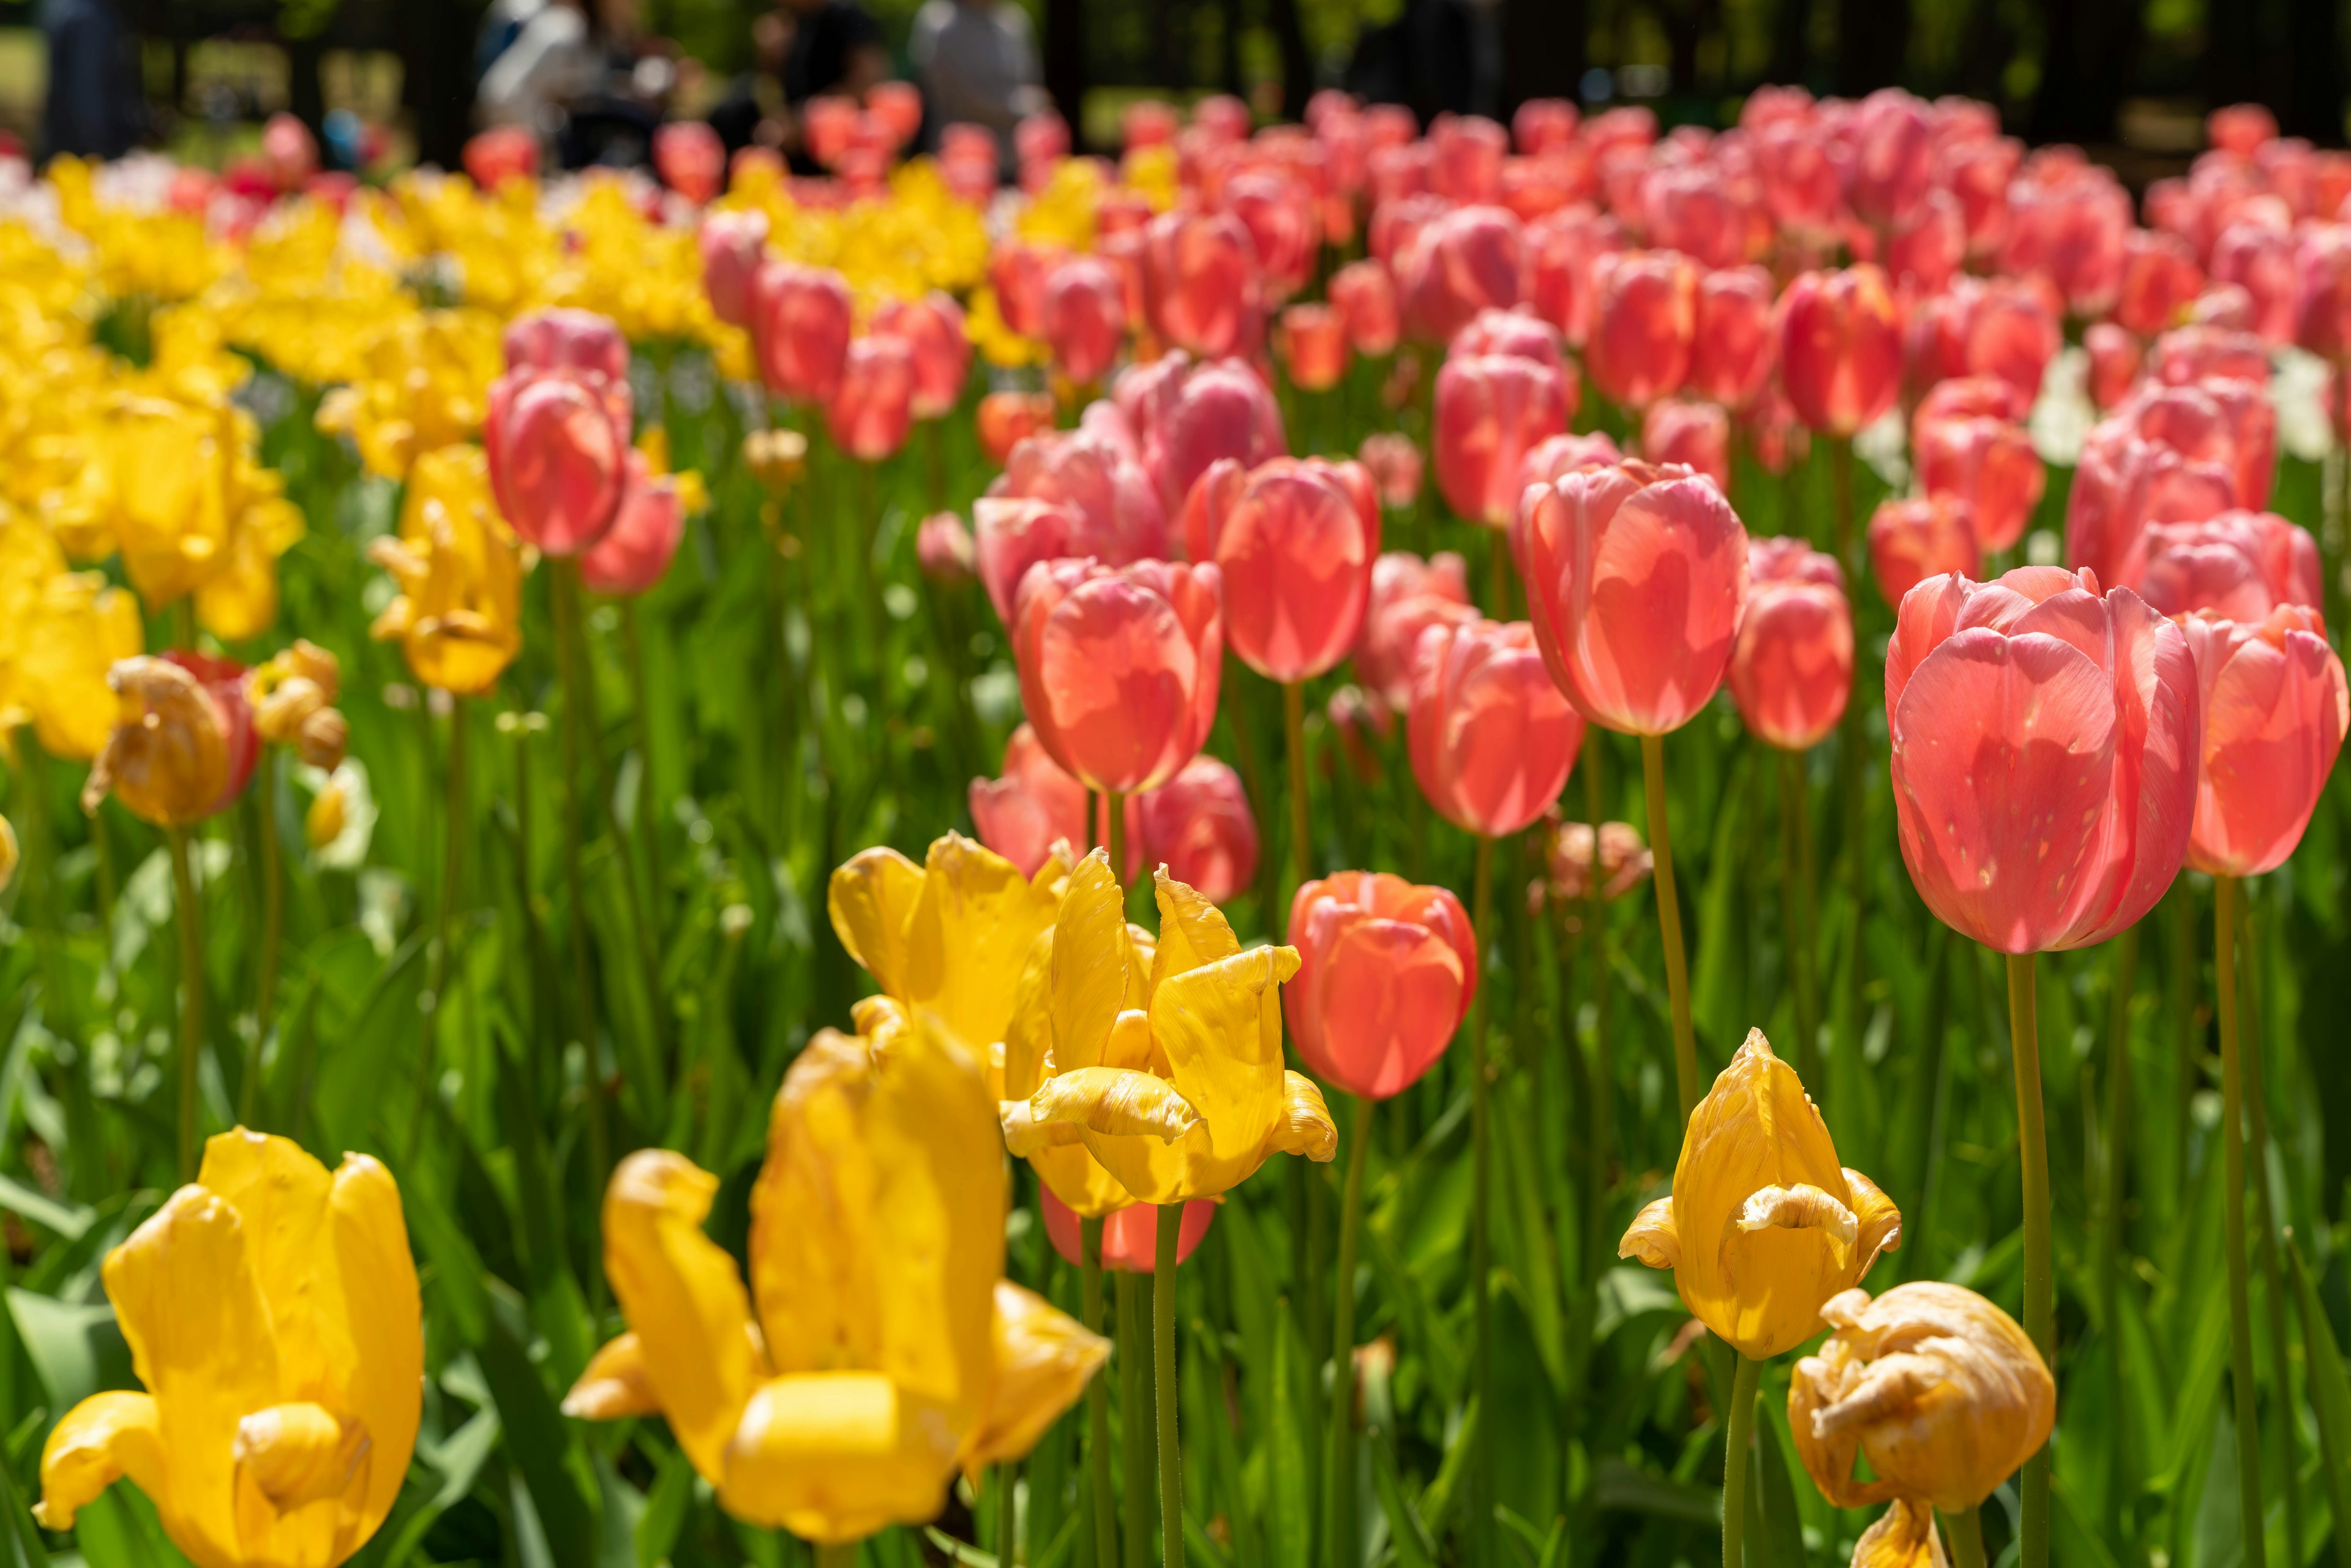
(2330, 1397)
(1414, 1548)
(1780, 1542)
(75, 1350)
(69, 1221)
(665, 1504)
(1291, 1502)
(22, 1536)
(119, 1528)
(1618, 1485)
(538, 1439)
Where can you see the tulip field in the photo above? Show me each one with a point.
(1354, 845)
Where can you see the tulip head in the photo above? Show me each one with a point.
(1764, 1227)
(636, 550)
(1732, 345)
(1294, 540)
(1130, 1236)
(1095, 472)
(1083, 318)
(74, 633)
(1408, 596)
(1792, 665)
(1690, 433)
(458, 615)
(931, 328)
(801, 319)
(557, 434)
(2275, 709)
(1363, 294)
(1386, 970)
(1314, 345)
(1916, 538)
(1491, 737)
(1394, 465)
(183, 742)
(1119, 666)
(1470, 260)
(1840, 348)
(1007, 418)
(690, 159)
(1203, 283)
(1491, 409)
(943, 550)
(1198, 827)
(873, 405)
(2239, 564)
(1988, 462)
(1644, 327)
(733, 244)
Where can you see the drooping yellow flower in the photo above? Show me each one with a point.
(1940, 1389)
(878, 1346)
(946, 939)
(273, 1316)
(168, 759)
(293, 697)
(459, 614)
(1763, 1225)
(79, 628)
(1170, 1074)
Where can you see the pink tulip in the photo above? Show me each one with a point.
(1925, 249)
(2239, 564)
(2115, 357)
(1130, 1237)
(1083, 318)
(1490, 411)
(800, 325)
(872, 407)
(1185, 416)
(1035, 804)
(1839, 348)
(1893, 157)
(1563, 247)
(1628, 125)
(1979, 174)
(1198, 826)
(1394, 465)
(1644, 326)
(1802, 184)
(2071, 232)
(557, 430)
(2123, 483)
(2160, 277)
(1682, 430)
(1557, 455)
(1017, 270)
(1471, 259)
(1911, 540)
(1491, 737)
(1991, 465)
(1386, 970)
(2261, 260)
(1283, 227)
(1467, 151)
(690, 159)
(1636, 576)
(1314, 344)
(1774, 435)
(1105, 501)
(637, 549)
(2275, 707)
(2205, 352)
(2323, 293)
(2044, 741)
(1791, 663)
(1543, 125)
(1397, 221)
(1517, 332)
(1006, 419)
(1364, 296)
(1732, 347)
(563, 340)
(1119, 666)
(732, 245)
(1203, 283)
(1408, 596)
(931, 328)
(1016, 533)
(1294, 538)
(1693, 211)
(2240, 129)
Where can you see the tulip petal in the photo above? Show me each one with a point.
(834, 1456)
(295, 1455)
(1800, 1207)
(103, 1439)
(1306, 1126)
(279, 1193)
(370, 1318)
(684, 1299)
(970, 929)
(614, 1386)
(1651, 1238)
(870, 899)
(1902, 1537)
(1028, 1032)
(1192, 931)
(1093, 964)
(1118, 1103)
(1044, 1358)
(1220, 1025)
(1025, 1136)
(1880, 1229)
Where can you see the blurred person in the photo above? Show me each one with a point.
(976, 61)
(752, 111)
(833, 46)
(94, 108)
(583, 81)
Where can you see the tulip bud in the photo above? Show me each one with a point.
(1119, 666)
(1130, 1236)
(1491, 737)
(1007, 418)
(2275, 709)
(1792, 665)
(1911, 540)
(1386, 974)
(931, 328)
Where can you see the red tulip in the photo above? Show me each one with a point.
(732, 245)
(1893, 157)
(1563, 247)
(690, 159)
(933, 330)
(1925, 249)
(800, 325)
(1017, 270)
(1979, 174)
(1692, 210)
(1839, 348)
(1791, 663)
(1471, 259)
(2240, 129)
(1911, 540)
(1364, 296)
(2115, 357)
(1644, 325)
(1408, 596)
(1006, 419)
(1130, 1237)
(2159, 279)
(1491, 739)
(2045, 744)
(1989, 464)
(1203, 278)
(637, 549)
(1636, 576)
(1385, 973)
(829, 126)
(499, 154)
(2011, 332)
(228, 684)
(872, 408)
(1732, 345)
(1681, 430)
(967, 161)
(1543, 125)
(1394, 465)
(1490, 411)
(1119, 666)
(1517, 332)
(2276, 709)
(897, 106)
(1284, 229)
(2261, 260)
(556, 432)
(2239, 566)
(1314, 344)
(1557, 455)
(1198, 826)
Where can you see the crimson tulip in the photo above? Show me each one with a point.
(1385, 973)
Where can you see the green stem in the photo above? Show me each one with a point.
(1498, 574)
(273, 928)
(1669, 923)
(1965, 1532)
(1089, 1311)
(1134, 1424)
(1008, 1514)
(2265, 1231)
(2233, 1187)
(1480, 1240)
(649, 801)
(191, 994)
(566, 607)
(1600, 1113)
(1114, 833)
(2039, 1282)
(838, 1554)
(1841, 474)
(1796, 847)
(2111, 1253)
(1293, 725)
(1338, 1506)
(1162, 1357)
(1739, 1427)
(454, 814)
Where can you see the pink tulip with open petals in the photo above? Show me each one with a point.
(1491, 737)
(1491, 409)
(1792, 663)
(1295, 540)
(1119, 666)
(2239, 564)
(2276, 709)
(1385, 973)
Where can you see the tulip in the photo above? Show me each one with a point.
(1097, 477)
(2115, 357)
(1006, 419)
(636, 550)
(557, 434)
(1893, 157)
(872, 406)
(1363, 294)
(291, 698)
(1294, 540)
(1386, 970)
(502, 153)
(1394, 465)
(800, 328)
(2261, 260)
(1558, 456)
(2123, 483)
(72, 634)
(733, 246)
(458, 615)
(1119, 666)
(690, 159)
(1203, 283)
(1732, 344)
(1941, 1390)
(931, 328)
(1185, 417)
(2160, 280)
(1774, 434)
(1839, 348)
(1035, 805)
(1490, 411)
(272, 1311)
(1792, 665)
(1199, 827)
(1925, 249)
(183, 743)
(2240, 129)
(1979, 173)
(1130, 1236)
(1563, 249)
(1692, 210)
(944, 552)
(1515, 332)
(1911, 540)
(1801, 188)
(1470, 260)
(1283, 226)
(1082, 317)
(1989, 463)
(881, 1202)
(1683, 431)
(2275, 709)
(1644, 326)
(1491, 742)
(1623, 860)
(1543, 125)
(2239, 564)
(2205, 352)
(1408, 596)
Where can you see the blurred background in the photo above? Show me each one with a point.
(388, 82)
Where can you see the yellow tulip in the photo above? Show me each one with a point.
(272, 1313)
(458, 615)
(78, 630)
(945, 940)
(1763, 1225)
(29, 559)
(322, 824)
(8, 853)
(168, 758)
(170, 505)
(1061, 1160)
(1940, 1389)
(877, 1347)
(1170, 1074)
(291, 697)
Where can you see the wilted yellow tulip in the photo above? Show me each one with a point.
(946, 939)
(1763, 1225)
(458, 615)
(168, 759)
(292, 695)
(878, 1347)
(1169, 1073)
(79, 629)
(272, 1313)
(1941, 1391)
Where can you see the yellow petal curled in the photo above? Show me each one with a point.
(299, 1454)
(870, 898)
(1306, 1126)
(614, 1386)
(1902, 1537)
(102, 1439)
(1116, 1102)
(1652, 1238)
(1044, 1358)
